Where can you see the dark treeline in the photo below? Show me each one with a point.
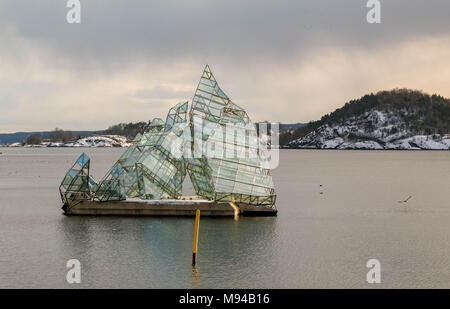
(422, 113)
(60, 135)
(57, 135)
(129, 130)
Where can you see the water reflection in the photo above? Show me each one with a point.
(156, 252)
(196, 282)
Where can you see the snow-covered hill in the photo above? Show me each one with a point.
(374, 129)
(91, 141)
(101, 141)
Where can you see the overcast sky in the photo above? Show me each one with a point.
(288, 61)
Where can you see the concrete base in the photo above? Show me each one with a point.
(183, 207)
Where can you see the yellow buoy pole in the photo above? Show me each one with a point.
(236, 210)
(194, 249)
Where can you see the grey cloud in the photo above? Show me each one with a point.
(238, 30)
(130, 60)
(162, 92)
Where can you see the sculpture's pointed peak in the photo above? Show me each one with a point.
(82, 159)
(207, 73)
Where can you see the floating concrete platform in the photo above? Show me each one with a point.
(182, 207)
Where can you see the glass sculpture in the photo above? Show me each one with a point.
(219, 148)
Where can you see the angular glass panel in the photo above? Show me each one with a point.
(77, 184)
(235, 173)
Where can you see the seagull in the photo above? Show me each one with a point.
(409, 197)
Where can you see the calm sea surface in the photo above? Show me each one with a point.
(337, 210)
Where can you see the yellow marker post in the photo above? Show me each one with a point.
(236, 210)
(194, 249)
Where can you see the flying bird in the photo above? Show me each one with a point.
(409, 197)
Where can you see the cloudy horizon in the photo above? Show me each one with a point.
(287, 61)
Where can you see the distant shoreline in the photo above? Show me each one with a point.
(362, 149)
(281, 148)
